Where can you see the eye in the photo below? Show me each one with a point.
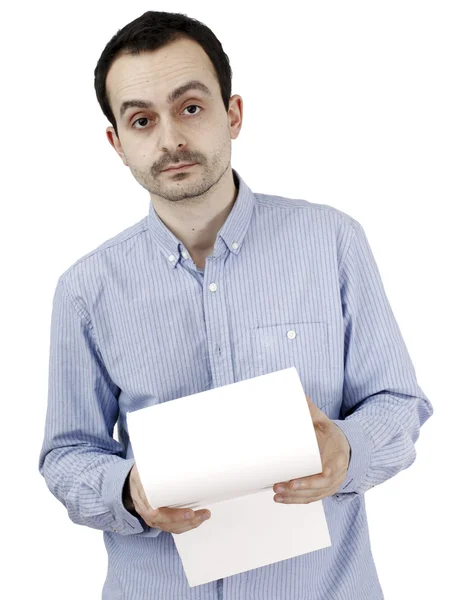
(137, 121)
(142, 119)
(192, 106)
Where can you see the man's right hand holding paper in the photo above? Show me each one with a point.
(172, 520)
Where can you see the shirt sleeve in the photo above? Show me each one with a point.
(83, 465)
(383, 407)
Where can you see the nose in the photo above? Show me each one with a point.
(171, 136)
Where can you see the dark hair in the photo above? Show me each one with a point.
(151, 31)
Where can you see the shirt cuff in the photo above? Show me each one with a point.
(124, 523)
(360, 457)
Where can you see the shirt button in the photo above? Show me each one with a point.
(184, 255)
(235, 245)
(172, 258)
(212, 287)
(291, 334)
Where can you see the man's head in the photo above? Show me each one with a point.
(155, 60)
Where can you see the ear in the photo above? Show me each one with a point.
(115, 142)
(235, 114)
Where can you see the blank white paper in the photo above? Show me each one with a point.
(223, 449)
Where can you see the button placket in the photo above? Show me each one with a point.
(216, 321)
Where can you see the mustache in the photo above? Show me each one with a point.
(177, 161)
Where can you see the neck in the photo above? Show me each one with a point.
(196, 221)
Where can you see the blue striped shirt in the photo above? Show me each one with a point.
(136, 323)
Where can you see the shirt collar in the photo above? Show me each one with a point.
(232, 231)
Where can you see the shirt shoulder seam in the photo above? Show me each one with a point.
(107, 245)
(284, 203)
(291, 204)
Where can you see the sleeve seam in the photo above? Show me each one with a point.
(355, 226)
(343, 261)
(81, 313)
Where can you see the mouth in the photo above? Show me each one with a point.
(171, 169)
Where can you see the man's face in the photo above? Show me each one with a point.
(192, 128)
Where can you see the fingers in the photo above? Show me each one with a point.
(199, 517)
(314, 482)
(304, 496)
(319, 481)
(301, 499)
(306, 489)
(174, 520)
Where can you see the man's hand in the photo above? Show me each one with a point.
(335, 454)
(172, 520)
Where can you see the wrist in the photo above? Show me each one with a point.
(126, 496)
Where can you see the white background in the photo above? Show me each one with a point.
(345, 103)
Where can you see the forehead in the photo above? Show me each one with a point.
(153, 74)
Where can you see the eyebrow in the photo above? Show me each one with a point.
(171, 96)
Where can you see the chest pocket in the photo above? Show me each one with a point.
(303, 345)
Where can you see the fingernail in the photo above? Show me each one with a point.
(188, 514)
(205, 516)
(280, 489)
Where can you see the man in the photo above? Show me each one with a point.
(217, 285)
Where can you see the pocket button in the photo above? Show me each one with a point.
(291, 334)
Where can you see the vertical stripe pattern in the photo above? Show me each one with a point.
(136, 323)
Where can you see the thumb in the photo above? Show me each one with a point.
(313, 409)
